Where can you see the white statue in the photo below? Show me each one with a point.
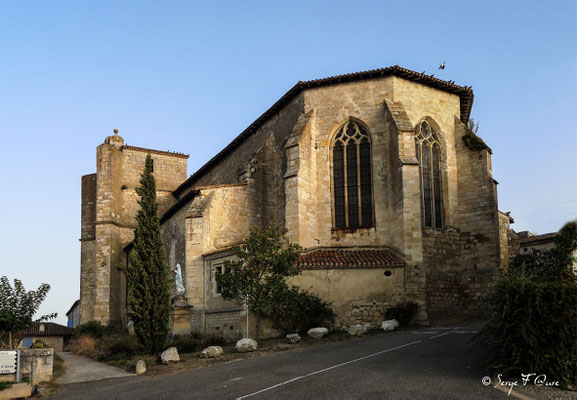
(178, 280)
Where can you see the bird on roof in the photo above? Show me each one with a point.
(442, 66)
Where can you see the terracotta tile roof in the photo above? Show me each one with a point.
(50, 329)
(337, 258)
(465, 94)
(546, 237)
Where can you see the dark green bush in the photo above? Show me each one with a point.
(109, 348)
(532, 315)
(295, 310)
(90, 328)
(126, 345)
(403, 312)
(195, 343)
(38, 344)
(532, 326)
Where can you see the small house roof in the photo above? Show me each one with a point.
(47, 329)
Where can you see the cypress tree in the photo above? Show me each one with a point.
(147, 278)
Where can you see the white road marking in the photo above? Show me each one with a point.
(442, 334)
(326, 369)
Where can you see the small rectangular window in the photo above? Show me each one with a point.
(217, 289)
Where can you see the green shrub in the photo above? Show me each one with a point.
(90, 328)
(38, 344)
(532, 326)
(295, 310)
(402, 312)
(196, 343)
(125, 345)
(5, 385)
(532, 315)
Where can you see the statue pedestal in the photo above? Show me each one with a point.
(180, 316)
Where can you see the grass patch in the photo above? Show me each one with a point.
(59, 367)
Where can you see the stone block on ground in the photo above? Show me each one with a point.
(170, 355)
(293, 338)
(16, 391)
(390, 325)
(212, 352)
(246, 345)
(140, 367)
(357, 330)
(317, 333)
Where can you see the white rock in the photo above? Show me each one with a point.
(212, 352)
(140, 367)
(357, 330)
(246, 345)
(169, 355)
(317, 333)
(293, 338)
(390, 325)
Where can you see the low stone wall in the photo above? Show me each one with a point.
(224, 324)
(35, 364)
(363, 312)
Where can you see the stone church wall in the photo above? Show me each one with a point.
(88, 242)
(174, 239)
(462, 260)
(358, 295)
(229, 169)
(108, 209)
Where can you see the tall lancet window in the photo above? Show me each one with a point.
(428, 153)
(353, 196)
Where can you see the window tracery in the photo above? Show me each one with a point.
(353, 198)
(428, 152)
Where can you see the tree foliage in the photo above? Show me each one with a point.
(18, 306)
(147, 276)
(532, 314)
(263, 263)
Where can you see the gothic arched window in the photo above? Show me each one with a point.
(353, 198)
(428, 153)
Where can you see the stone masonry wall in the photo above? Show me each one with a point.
(225, 324)
(219, 217)
(87, 243)
(462, 260)
(454, 289)
(504, 238)
(235, 163)
(103, 291)
(357, 295)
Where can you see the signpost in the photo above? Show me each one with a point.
(10, 363)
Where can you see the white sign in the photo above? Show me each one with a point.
(8, 362)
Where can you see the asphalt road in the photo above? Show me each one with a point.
(434, 363)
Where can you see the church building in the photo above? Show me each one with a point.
(373, 173)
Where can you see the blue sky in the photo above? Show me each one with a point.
(189, 77)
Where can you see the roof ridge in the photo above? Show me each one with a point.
(465, 93)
